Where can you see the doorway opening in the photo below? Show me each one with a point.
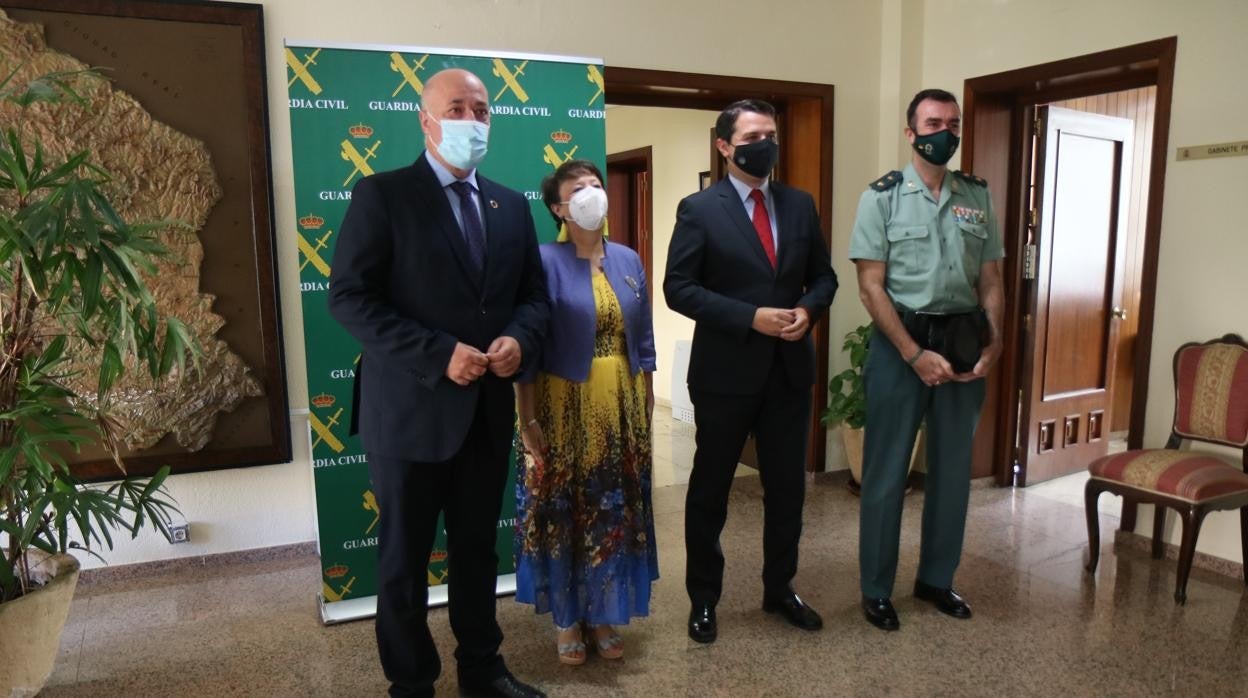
(655, 157)
(1011, 139)
(805, 120)
(629, 177)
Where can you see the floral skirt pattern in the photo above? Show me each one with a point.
(585, 549)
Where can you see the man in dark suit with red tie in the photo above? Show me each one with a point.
(437, 275)
(749, 265)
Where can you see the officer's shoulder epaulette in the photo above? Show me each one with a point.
(968, 177)
(887, 181)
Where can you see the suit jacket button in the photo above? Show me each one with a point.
(483, 310)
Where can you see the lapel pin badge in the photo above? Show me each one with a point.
(493, 203)
(632, 283)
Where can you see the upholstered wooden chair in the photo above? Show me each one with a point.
(1211, 406)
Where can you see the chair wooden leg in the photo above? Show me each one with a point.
(1129, 510)
(1091, 496)
(1243, 541)
(1159, 531)
(1192, 518)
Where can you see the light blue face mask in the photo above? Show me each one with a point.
(464, 142)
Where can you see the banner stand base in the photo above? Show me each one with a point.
(335, 612)
(344, 611)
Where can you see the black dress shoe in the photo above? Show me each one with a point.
(702, 626)
(505, 686)
(794, 610)
(946, 601)
(880, 613)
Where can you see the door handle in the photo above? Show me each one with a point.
(1119, 312)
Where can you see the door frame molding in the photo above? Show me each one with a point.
(796, 104)
(1004, 104)
(645, 155)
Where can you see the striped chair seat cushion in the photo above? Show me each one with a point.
(1195, 477)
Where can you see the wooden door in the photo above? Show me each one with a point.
(620, 209)
(1082, 175)
(629, 210)
(1137, 105)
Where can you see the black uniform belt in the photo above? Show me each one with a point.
(959, 337)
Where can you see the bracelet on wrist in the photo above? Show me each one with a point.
(910, 361)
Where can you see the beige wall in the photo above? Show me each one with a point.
(1204, 237)
(877, 54)
(835, 42)
(681, 149)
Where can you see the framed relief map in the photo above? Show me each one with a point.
(180, 122)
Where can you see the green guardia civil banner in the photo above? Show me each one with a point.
(354, 111)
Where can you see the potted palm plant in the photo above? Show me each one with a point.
(71, 285)
(847, 402)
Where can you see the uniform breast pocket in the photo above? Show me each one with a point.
(974, 237)
(910, 249)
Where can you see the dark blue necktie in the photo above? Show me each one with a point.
(474, 232)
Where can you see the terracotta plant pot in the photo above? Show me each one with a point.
(30, 628)
(852, 439)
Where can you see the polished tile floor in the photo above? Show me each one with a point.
(1041, 626)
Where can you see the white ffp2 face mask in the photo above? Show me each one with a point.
(464, 142)
(588, 208)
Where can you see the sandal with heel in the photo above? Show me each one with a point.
(571, 653)
(610, 645)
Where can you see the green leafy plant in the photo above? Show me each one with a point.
(71, 284)
(847, 402)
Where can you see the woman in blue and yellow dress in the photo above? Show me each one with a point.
(585, 530)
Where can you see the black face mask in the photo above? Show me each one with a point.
(937, 147)
(757, 158)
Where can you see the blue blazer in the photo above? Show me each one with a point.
(568, 348)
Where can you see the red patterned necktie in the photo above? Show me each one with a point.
(762, 225)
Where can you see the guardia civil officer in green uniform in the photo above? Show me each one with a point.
(927, 250)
